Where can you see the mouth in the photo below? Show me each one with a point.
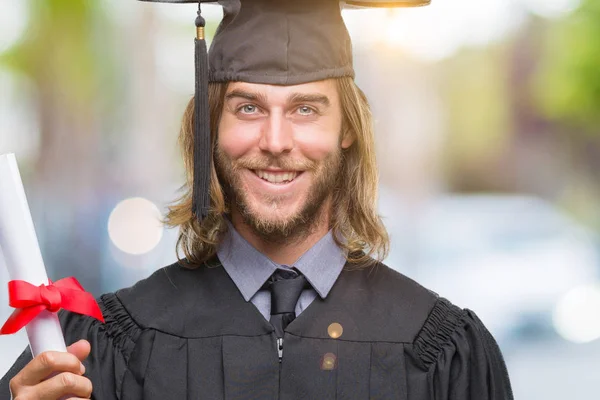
(277, 177)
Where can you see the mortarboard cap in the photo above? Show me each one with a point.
(280, 42)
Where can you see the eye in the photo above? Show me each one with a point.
(305, 110)
(248, 109)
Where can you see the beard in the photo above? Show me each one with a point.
(307, 216)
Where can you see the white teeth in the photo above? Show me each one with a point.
(276, 178)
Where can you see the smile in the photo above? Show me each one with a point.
(277, 177)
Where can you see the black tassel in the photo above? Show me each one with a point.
(202, 145)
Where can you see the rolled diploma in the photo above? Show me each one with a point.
(22, 254)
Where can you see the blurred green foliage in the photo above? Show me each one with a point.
(476, 91)
(567, 87)
(60, 48)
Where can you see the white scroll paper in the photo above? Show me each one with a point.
(22, 253)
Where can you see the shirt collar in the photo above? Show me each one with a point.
(249, 268)
(322, 264)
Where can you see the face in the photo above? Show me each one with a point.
(279, 153)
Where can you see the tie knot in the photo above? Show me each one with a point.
(285, 287)
(281, 274)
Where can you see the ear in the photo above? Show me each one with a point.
(347, 139)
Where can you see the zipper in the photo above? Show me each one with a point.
(280, 348)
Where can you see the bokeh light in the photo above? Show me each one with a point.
(552, 8)
(436, 32)
(328, 362)
(577, 314)
(134, 226)
(13, 23)
(335, 330)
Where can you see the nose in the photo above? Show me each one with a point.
(277, 135)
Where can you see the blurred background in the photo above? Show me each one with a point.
(488, 130)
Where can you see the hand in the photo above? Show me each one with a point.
(53, 375)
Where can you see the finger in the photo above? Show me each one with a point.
(47, 363)
(63, 384)
(80, 349)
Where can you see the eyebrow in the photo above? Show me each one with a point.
(309, 98)
(250, 96)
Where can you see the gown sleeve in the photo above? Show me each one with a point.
(463, 359)
(111, 345)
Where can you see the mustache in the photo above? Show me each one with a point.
(285, 163)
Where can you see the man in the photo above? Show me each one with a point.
(280, 294)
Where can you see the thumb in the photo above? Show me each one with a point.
(80, 349)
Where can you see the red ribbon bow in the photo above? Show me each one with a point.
(30, 300)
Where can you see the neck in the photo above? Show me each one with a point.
(288, 251)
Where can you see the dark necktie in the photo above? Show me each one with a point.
(285, 287)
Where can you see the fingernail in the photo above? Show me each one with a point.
(81, 369)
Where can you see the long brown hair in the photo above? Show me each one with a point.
(356, 226)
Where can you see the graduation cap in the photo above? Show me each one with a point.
(278, 42)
